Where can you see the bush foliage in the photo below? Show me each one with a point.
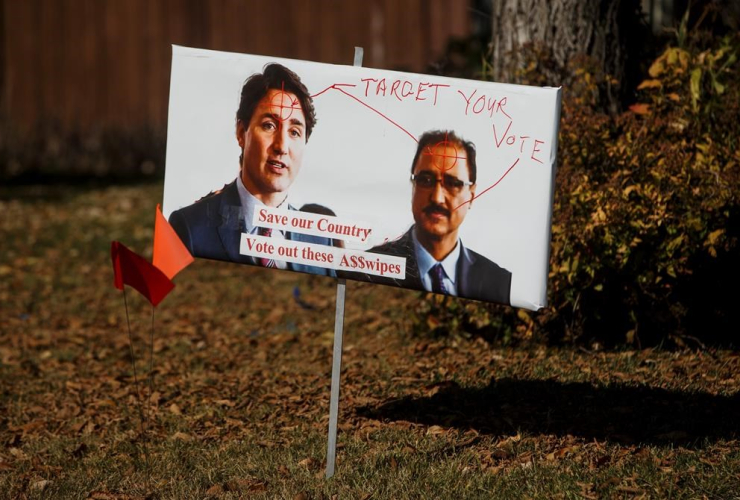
(645, 218)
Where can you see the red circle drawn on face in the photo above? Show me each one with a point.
(282, 104)
(439, 155)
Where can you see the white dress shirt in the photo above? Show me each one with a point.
(249, 205)
(425, 261)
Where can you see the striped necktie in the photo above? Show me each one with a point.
(265, 261)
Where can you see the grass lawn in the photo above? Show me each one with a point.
(239, 399)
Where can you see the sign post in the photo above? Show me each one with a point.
(336, 369)
(331, 452)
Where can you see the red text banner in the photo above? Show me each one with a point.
(329, 226)
(327, 257)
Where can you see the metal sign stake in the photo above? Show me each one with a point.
(331, 452)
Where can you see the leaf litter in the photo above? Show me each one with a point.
(237, 359)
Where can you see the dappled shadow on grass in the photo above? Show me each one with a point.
(617, 413)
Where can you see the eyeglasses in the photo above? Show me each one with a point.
(451, 184)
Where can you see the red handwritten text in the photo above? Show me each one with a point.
(401, 89)
(511, 139)
(535, 150)
(483, 103)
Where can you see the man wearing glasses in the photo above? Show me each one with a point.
(443, 175)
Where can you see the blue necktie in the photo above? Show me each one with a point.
(437, 274)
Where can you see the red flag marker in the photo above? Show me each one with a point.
(133, 270)
(170, 254)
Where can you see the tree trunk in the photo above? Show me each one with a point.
(560, 30)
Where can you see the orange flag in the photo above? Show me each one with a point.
(170, 255)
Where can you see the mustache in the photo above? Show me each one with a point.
(436, 209)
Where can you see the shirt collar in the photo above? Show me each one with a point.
(249, 204)
(425, 261)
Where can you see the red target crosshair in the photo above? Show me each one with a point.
(441, 157)
(282, 104)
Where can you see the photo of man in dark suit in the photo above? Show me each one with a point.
(273, 124)
(443, 174)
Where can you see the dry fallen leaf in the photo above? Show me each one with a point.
(40, 486)
(308, 463)
(103, 495)
(181, 436)
(215, 490)
(640, 109)
(436, 430)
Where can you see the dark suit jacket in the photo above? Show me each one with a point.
(211, 229)
(477, 277)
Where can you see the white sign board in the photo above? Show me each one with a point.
(411, 180)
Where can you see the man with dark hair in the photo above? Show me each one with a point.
(273, 123)
(443, 175)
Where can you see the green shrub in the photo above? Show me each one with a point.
(645, 217)
(637, 218)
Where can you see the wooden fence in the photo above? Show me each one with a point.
(101, 63)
